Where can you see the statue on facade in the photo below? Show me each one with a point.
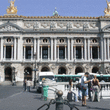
(107, 10)
(12, 9)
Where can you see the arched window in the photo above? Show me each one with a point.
(45, 40)
(78, 70)
(94, 40)
(44, 69)
(78, 40)
(28, 73)
(8, 39)
(95, 70)
(61, 70)
(28, 40)
(61, 40)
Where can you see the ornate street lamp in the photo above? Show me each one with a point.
(13, 76)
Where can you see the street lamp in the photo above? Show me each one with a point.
(14, 80)
(35, 71)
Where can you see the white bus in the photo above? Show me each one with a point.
(42, 75)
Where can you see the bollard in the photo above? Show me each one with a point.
(59, 100)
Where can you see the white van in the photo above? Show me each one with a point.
(42, 75)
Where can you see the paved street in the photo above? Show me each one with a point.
(13, 98)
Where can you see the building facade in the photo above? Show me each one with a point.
(63, 45)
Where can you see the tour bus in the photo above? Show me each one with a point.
(66, 78)
(42, 75)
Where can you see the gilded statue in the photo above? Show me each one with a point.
(107, 10)
(12, 9)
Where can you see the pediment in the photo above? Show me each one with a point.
(106, 28)
(7, 27)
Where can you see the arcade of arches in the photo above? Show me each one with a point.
(95, 70)
(78, 70)
(44, 69)
(61, 70)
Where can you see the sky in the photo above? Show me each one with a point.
(64, 7)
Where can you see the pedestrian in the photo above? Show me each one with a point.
(25, 81)
(84, 84)
(96, 87)
(70, 84)
(28, 85)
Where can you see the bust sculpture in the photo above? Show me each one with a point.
(107, 10)
(12, 9)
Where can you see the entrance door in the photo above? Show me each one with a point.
(8, 74)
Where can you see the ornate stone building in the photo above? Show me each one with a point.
(63, 45)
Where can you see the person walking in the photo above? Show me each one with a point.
(28, 85)
(84, 84)
(96, 86)
(89, 87)
(70, 84)
(24, 85)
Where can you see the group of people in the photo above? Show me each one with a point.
(87, 86)
(27, 84)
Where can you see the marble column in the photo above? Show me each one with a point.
(102, 49)
(48, 52)
(108, 47)
(24, 52)
(105, 49)
(58, 52)
(98, 53)
(68, 49)
(4, 52)
(38, 49)
(1, 48)
(88, 49)
(11, 51)
(72, 49)
(41, 52)
(31, 52)
(34, 45)
(51, 49)
(82, 51)
(91, 52)
(65, 52)
(14, 48)
(85, 53)
(55, 49)
(74, 52)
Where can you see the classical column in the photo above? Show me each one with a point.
(11, 51)
(51, 49)
(41, 52)
(38, 49)
(88, 49)
(31, 52)
(91, 52)
(34, 45)
(98, 53)
(85, 57)
(72, 49)
(1, 48)
(82, 51)
(4, 52)
(48, 52)
(58, 51)
(104, 48)
(68, 49)
(108, 47)
(74, 52)
(55, 49)
(14, 48)
(65, 52)
(24, 51)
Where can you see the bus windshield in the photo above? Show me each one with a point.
(49, 77)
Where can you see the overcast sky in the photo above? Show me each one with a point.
(64, 7)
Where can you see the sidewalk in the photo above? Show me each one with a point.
(32, 101)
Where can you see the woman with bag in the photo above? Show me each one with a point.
(96, 87)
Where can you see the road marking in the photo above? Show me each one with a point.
(15, 94)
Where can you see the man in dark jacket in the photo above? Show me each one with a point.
(89, 87)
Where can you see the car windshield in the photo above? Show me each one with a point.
(49, 77)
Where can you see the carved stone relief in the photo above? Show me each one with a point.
(69, 25)
(36, 25)
(86, 26)
(53, 25)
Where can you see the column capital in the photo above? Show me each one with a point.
(4, 45)
(48, 46)
(65, 45)
(74, 46)
(11, 45)
(31, 46)
(81, 45)
(24, 46)
(91, 46)
(40, 45)
(58, 46)
(98, 46)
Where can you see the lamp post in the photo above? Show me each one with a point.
(14, 80)
(35, 72)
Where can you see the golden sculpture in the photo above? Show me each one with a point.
(107, 10)
(12, 9)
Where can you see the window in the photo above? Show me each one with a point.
(61, 40)
(44, 40)
(78, 40)
(78, 52)
(95, 52)
(28, 40)
(61, 52)
(9, 40)
(28, 52)
(94, 40)
(8, 51)
(44, 52)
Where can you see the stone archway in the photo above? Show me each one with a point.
(28, 73)
(8, 74)
(61, 70)
(78, 70)
(95, 69)
(44, 69)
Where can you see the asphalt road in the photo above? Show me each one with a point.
(13, 98)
